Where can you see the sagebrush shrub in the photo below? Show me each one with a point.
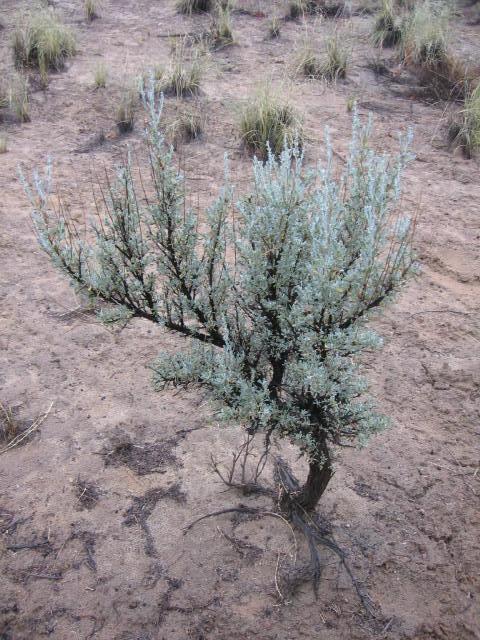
(42, 40)
(275, 299)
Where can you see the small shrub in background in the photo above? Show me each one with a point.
(464, 130)
(42, 41)
(126, 109)
(268, 121)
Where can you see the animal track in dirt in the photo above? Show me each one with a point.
(143, 506)
(142, 458)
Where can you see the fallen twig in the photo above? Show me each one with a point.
(25, 434)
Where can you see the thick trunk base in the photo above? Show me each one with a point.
(317, 481)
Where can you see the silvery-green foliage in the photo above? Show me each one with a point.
(276, 289)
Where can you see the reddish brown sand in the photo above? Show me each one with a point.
(104, 488)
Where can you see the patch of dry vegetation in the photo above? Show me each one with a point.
(41, 40)
(188, 126)
(221, 33)
(386, 29)
(90, 8)
(194, 6)
(183, 76)
(126, 109)
(424, 45)
(331, 65)
(267, 121)
(464, 129)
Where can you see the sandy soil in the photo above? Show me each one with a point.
(92, 507)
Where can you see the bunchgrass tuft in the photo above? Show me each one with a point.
(100, 76)
(335, 61)
(184, 75)
(42, 41)
(221, 33)
(297, 8)
(386, 31)
(329, 65)
(274, 27)
(188, 126)
(10, 427)
(126, 109)
(90, 9)
(424, 38)
(325, 8)
(267, 121)
(464, 131)
(424, 47)
(194, 6)
(307, 62)
(18, 99)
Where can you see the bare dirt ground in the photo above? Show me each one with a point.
(92, 507)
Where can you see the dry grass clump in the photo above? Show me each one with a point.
(90, 9)
(335, 62)
(274, 27)
(14, 98)
(464, 131)
(194, 6)
(424, 47)
(126, 109)
(221, 33)
(188, 126)
(14, 432)
(267, 121)
(184, 75)
(386, 31)
(326, 8)
(42, 41)
(18, 99)
(100, 76)
(10, 427)
(329, 66)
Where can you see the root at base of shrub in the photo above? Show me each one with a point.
(317, 535)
